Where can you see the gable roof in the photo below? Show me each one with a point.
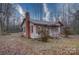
(44, 23)
(23, 22)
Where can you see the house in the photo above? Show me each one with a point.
(31, 28)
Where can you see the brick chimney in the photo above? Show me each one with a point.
(27, 25)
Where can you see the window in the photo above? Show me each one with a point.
(31, 28)
(55, 29)
(38, 29)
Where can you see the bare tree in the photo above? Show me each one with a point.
(6, 11)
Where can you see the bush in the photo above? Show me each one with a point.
(67, 31)
(44, 34)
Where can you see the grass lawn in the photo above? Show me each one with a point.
(15, 44)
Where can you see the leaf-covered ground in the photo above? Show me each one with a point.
(14, 44)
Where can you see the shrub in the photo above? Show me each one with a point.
(67, 31)
(44, 34)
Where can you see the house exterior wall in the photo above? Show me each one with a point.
(33, 34)
(24, 27)
(53, 31)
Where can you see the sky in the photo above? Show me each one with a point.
(36, 9)
(56, 10)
